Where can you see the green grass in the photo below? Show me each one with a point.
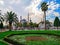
(4, 34)
(51, 40)
(43, 43)
(3, 43)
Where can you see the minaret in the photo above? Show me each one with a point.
(20, 18)
(28, 17)
(30, 20)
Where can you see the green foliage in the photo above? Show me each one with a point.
(56, 22)
(3, 43)
(51, 39)
(5, 34)
(31, 24)
(1, 25)
(44, 6)
(1, 19)
(35, 25)
(59, 22)
(18, 24)
(24, 24)
(10, 18)
(1, 22)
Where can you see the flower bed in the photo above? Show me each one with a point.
(33, 39)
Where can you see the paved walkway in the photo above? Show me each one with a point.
(3, 30)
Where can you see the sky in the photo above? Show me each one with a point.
(33, 7)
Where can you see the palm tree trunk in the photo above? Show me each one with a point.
(10, 26)
(45, 20)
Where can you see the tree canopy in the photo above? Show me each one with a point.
(56, 22)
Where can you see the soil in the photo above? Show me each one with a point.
(35, 38)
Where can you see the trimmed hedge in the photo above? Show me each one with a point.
(12, 42)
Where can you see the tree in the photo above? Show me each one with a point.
(31, 24)
(1, 25)
(10, 18)
(1, 21)
(44, 8)
(24, 24)
(35, 25)
(19, 24)
(59, 22)
(56, 22)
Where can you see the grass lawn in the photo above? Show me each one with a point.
(48, 39)
(4, 34)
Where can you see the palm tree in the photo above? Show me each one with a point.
(44, 8)
(1, 19)
(1, 22)
(10, 18)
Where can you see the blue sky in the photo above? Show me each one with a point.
(23, 7)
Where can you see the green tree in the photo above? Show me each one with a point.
(19, 24)
(10, 18)
(44, 8)
(24, 24)
(56, 22)
(59, 22)
(35, 25)
(31, 24)
(1, 25)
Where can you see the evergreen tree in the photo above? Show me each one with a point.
(56, 22)
(59, 22)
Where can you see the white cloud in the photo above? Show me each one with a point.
(35, 14)
(4, 10)
(56, 14)
(51, 20)
(53, 5)
(49, 12)
(14, 1)
(1, 2)
(23, 9)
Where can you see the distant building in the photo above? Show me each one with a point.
(20, 18)
(42, 25)
(23, 21)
